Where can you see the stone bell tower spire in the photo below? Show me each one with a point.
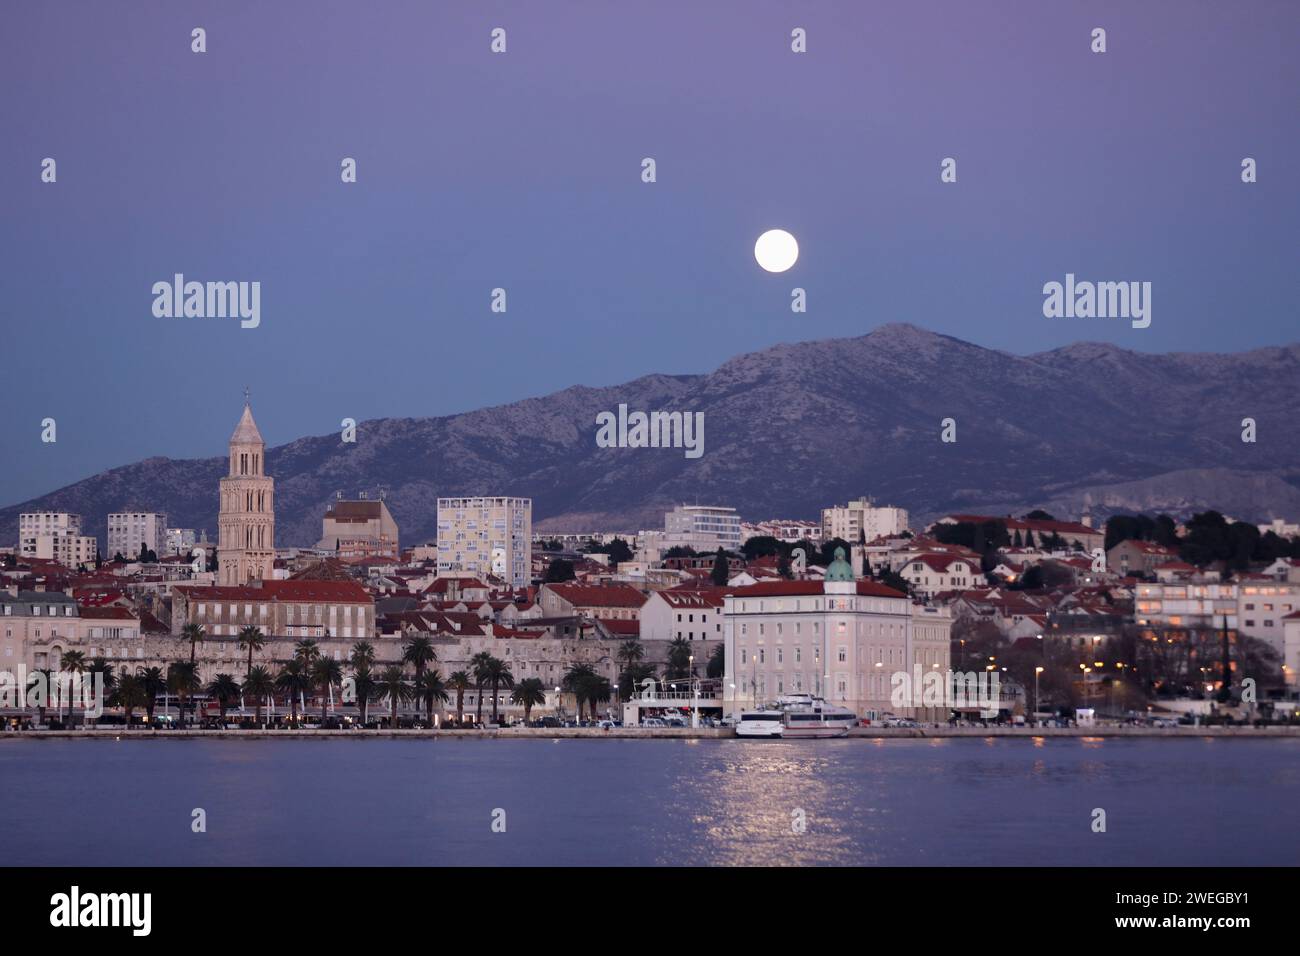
(246, 523)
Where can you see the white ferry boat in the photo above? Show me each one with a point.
(766, 723)
(807, 716)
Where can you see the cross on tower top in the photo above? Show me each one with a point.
(245, 394)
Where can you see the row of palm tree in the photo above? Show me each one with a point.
(309, 671)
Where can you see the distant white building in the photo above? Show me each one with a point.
(1281, 528)
(783, 530)
(128, 530)
(860, 521)
(702, 527)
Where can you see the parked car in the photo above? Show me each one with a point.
(653, 722)
(894, 721)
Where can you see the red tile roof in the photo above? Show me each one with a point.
(609, 595)
(303, 591)
(799, 588)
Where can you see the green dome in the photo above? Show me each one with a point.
(839, 569)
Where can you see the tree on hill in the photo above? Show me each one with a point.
(1038, 514)
(680, 551)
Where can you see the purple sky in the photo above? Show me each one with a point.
(522, 170)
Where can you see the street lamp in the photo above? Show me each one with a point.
(1037, 671)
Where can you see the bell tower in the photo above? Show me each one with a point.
(246, 522)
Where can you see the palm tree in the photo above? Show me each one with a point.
(575, 682)
(630, 652)
(183, 681)
(430, 687)
(366, 687)
(252, 638)
(499, 676)
(394, 686)
(717, 665)
(679, 658)
(599, 691)
(99, 667)
(152, 683)
(459, 681)
(530, 693)
(259, 685)
(295, 680)
(129, 694)
(418, 652)
(478, 665)
(72, 662)
(363, 653)
(325, 673)
(306, 651)
(224, 689)
(195, 634)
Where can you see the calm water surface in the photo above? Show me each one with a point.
(992, 801)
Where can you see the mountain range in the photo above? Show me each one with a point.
(797, 427)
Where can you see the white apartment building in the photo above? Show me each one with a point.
(487, 536)
(702, 527)
(693, 614)
(861, 521)
(55, 536)
(1262, 606)
(1194, 604)
(128, 530)
(38, 531)
(840, 639)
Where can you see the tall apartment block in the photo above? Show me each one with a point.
(128, 530)
(483, 536)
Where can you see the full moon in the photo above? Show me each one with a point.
(776, 250)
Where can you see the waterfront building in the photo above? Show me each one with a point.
(129, 530)
(246, 523)
(693, 614)
(37, 627)
(841, 639)
(487, 536)
(1263, 604)
(1201, 602)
